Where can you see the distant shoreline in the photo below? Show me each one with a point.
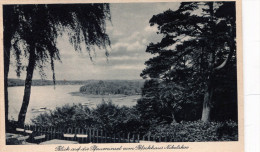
(39, 82)
(100, 96)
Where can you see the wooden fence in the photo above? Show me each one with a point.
(38, 134)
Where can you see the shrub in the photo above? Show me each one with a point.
(191, 131)
(66, 116)
(114, 119)
(106, 116)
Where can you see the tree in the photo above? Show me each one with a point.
(152, 110)
(32, 31)
(198, 42)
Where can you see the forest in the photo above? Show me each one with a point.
(113, 87)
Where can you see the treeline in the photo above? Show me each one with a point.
(39, 82)
(126, 87)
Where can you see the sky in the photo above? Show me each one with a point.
(129, 32)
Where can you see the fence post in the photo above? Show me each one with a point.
(94, 136)
(62, 135)
(133, 138)
(160, 138)
(149, 137)
(41, 133)
(114, 138)
(55, 133)
(119, 138)
(90, 133)
(51, 133)
(101, 136)
(47, 134)
(124, 138)
(78, 132)
(29, 128)
(138, 138)
(75, 133)
(59, 132)
(128, 137)
(97, 136)
(105, 137)
(69, 132)
(83, 139)
(87, 133)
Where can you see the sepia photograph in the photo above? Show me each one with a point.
(136, 72)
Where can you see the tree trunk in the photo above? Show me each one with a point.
(207, 105)
(209, 88)
(7, 46)
(27, 89)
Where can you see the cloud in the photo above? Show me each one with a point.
(151, 29)
(128, 67)
(129, 33)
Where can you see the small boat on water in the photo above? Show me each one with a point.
(84, 104)
(42, 109)
(87, 104)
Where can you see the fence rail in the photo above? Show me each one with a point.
(38, 134)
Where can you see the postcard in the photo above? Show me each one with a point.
(90, 76)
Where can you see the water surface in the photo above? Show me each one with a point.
(47, 97)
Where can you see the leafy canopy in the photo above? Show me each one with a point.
(34, 29)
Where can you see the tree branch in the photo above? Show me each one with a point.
(226, 60)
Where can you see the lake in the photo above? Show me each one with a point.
(47, 97)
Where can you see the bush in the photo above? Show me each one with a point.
(66, 116)
(114, 119)
(106, 116)
(197, 131)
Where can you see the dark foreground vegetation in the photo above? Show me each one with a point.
(114, 119)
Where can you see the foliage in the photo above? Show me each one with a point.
(113, 87)
(66, 116)
(106, 116)
(197, 131)
(197, 51)
(38, 26)
(150, 106)
(114, 119)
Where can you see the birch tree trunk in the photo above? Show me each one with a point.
(7, 46)
(27, 89)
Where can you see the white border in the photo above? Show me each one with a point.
(251, 43)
